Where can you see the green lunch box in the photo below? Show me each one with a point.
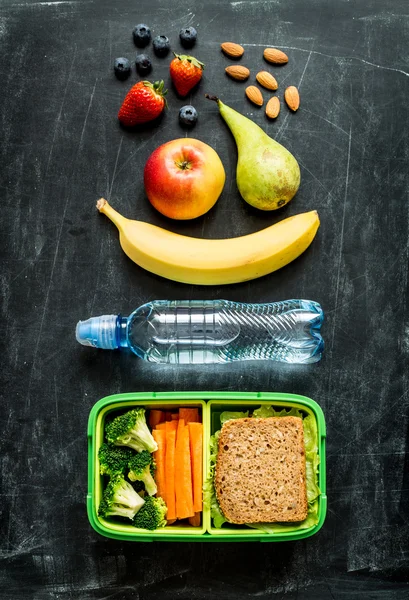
(211, 405)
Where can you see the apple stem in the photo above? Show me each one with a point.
(184, 165)
(214, 98)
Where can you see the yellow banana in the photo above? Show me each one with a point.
(213, 262)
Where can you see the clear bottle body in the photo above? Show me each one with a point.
(220, 331)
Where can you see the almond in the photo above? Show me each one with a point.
(254, 95)
(273, 107)
(232, 50)
(275, 56)
(292, 97)
(238, 72)
(267, 80)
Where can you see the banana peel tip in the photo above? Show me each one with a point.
(101, 203)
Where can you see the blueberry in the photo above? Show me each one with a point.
(122, 68)
(141, 35)
(143, 64)
(161, 45)
(188, 37)
(188, 115)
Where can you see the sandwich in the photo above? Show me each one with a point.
(260, 472)
(263, 470)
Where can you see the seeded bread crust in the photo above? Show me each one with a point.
(260, 471)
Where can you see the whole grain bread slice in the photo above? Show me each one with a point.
(260, 471)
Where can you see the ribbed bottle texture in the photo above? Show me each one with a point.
(193, 332)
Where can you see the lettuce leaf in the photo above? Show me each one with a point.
(312, 459)
(312, 462)
(228, 416)
(310, 434)
(209, 491)
(268, 411)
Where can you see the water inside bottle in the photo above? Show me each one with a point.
(195, 332)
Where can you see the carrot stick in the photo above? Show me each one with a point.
(181, 424)
(190, 415)
(196, 457)
(171, 425)
(170, 475)
(168, 415)
(174, 416)
(187, 472)
(159, 455)
(155, 417)
(195, 521)
(161, 426)
(183, 474)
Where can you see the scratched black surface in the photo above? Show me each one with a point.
(61, 149)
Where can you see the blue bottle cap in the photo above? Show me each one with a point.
(98, 332)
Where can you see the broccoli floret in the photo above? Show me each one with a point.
(140, 470)
(131, 430)
(120, 499)
(152, 514)
(138, 485)
(113, 460)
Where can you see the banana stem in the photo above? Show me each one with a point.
(104, 207)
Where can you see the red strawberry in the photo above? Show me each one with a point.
(144, 102)
(186, 72)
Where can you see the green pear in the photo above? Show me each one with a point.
(268, 176)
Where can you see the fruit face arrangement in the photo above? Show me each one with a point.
(184, 178)
(155, 473)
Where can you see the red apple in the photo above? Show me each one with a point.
(184, 178)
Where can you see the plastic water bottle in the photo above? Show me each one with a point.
(211, 331)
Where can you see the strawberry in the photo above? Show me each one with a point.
(144, 102)
(186, 72)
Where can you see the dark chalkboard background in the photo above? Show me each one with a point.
(61, 149)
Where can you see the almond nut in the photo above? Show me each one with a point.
(267, 80)
(232, 50)
(292, 97)
(254, 95)
(273, 107)
(275, 56)
(238, 72)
